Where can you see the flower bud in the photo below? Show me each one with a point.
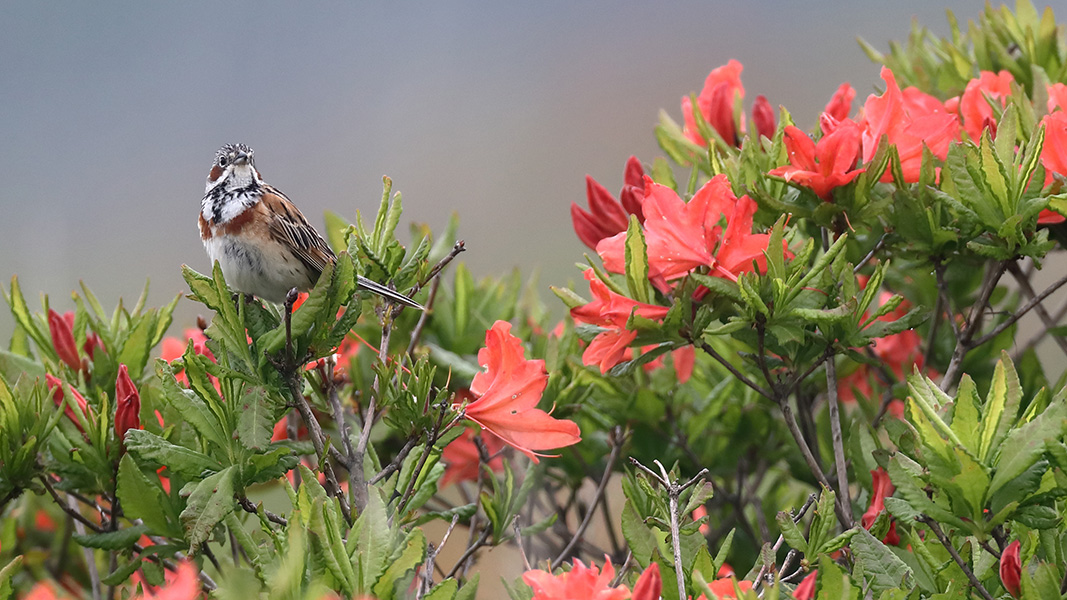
(55, 385)
(1011, 568)
(763, 117)
(805, 590)
(127, 403)
(649, 584)
(63, 340)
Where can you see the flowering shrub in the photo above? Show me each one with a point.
(801, 357)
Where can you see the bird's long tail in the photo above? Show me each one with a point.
(381, 290)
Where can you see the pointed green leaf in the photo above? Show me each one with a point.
(210, 502)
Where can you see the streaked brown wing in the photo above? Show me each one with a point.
(289, 227)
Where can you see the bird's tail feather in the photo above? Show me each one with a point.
(381, 290)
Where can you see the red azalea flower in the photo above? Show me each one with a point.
(63, 340)
(763, 117)
(1011, 568)
(881, 488)
(55, 385)
(840, 105)
(911, 120)
(684, 359)
(610, 310)
(973, 106)
(172, 349)
(1054, 157)
(587, 583)
(606, 215)
(127, 406)
(724, 588)
(825, 165)
(184, 584)
(805, 590)
(684, 236)
(722, 89)
(1057, 96)
(649, 584)
(464, 460)
(508, 391)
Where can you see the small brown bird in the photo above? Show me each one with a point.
(263, 243)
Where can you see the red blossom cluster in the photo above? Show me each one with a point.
(506, 395)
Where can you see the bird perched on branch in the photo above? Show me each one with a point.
(262, 242)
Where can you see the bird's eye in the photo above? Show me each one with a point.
(223, 161)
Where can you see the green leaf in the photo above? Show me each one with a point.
(791, 532)
(142, 499)
(1002, 406)
(370, 543)
(884, 569)
(640, 539)
(1025, 445)
(255, 422)
(112, 540)
(191, 408)
(637, 262)
(156, 450)
(209, 503)
(412, 551)
(138, 344)
(7, 573)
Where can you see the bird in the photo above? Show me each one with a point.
(263, 243)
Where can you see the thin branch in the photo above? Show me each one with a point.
(674, 491)
(1035, 301)
(838, 443)
(469, 552)
(340, 418)
(874, 251)
(974, 321)
(1057, 316)
(781, 538)
(699, 343)
(977, 585)
(249, 506)
(1046, 319)
(616, 440)
(393, 466)
(416, 333)
(69, 508)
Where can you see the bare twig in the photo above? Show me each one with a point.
(699, 343)
(1046, 318)
(838, 444)
(616, 441)
(781, 538)
(874, 251)
(249, 506)
(974, 321)
(977, 585)
(674, 491)
(1035, 301)
(469, 552)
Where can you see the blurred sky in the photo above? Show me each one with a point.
(111, 115)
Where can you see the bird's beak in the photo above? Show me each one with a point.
(241, 158)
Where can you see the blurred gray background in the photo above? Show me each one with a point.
(111, 114)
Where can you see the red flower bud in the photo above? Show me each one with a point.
(840, 104)
(763, 117)
(63, 340)
(806, 588)
(881, 488)
(606, 215)
(649, 584)
(55, 385)
(128, 405)
(1011, 568)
